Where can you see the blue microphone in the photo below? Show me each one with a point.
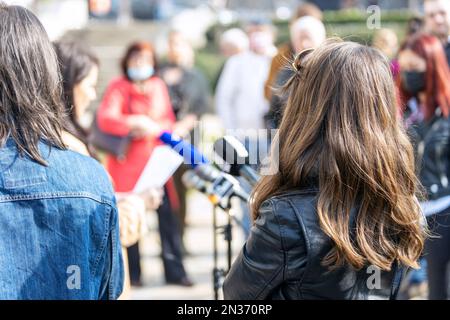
(191, 155)
(223, 186)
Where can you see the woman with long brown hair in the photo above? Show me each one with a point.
(424, 83)
(340, 219)
(59, 228)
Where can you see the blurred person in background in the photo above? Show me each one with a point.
(79, 69)
(425, 84)
(306, 32)
(232, 42)
(386, 41)
(414, 25)
(437, 22)
(343, 202)
(59, 235)
(240, 101)
(188, 88)
(138, 104)
(190, 99)
(415, 285)
(286, 52)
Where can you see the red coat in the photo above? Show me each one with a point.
(120, 100)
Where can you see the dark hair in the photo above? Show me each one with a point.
(136, 47)
(30, 91)
(415, 25)
(75, 64)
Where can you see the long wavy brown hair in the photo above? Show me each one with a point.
(341, 129)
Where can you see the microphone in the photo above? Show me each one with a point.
(233, 152)
(191, 180)
(227, 186)
(191, 155)
(218, 191)
(223, 186)
(208, 172)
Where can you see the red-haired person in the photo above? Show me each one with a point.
(425, 83)
(138, 104)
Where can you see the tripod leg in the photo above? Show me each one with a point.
(229, 237)
(216, 276)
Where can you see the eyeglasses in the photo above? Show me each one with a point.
(300, 58)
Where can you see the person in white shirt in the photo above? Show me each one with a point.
(240, 101)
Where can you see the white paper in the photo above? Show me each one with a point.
(160, 167)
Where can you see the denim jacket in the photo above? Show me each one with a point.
(59, 236)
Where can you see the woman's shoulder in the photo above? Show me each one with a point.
(292, 201)
(294, 195)
(288, 215)
(74, 143)
(70, 170)
(293, 208)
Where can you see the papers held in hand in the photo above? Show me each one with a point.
(159, 168)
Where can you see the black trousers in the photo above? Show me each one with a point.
(181, 191)
(134, 263)
(170, 245)
(437, 254)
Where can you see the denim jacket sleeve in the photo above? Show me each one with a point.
(113, 270)
(260, 266)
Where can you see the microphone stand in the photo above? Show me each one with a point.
(220, 193)
(227, 231)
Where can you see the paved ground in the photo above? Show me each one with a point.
(199, 242)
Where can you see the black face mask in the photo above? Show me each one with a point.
(413, 81)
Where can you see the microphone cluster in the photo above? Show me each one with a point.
(218, 185)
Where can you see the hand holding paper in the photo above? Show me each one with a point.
(159, 168)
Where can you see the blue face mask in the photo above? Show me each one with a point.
(140, 74)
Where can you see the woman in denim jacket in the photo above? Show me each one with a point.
(59, 236)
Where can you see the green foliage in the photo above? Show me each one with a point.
(360, 16)
(210, 61)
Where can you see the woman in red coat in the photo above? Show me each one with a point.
(138, 104)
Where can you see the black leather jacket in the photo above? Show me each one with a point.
(431, 139)
(282, 259)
